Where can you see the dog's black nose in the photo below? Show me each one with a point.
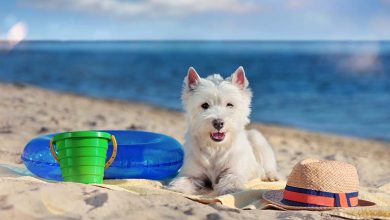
(218, 124)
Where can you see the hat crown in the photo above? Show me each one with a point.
(327, 176)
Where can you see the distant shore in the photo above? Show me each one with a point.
(26, 112)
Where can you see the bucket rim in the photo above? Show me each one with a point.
(81, 134)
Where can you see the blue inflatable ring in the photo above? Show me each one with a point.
(141, 155)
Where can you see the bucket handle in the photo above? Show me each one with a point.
(108, 163)
(114, 152)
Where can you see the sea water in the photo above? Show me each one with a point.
(334, 87)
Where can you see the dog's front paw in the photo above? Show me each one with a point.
(229, 184)
(183, 185)
(271, 176)
(223, 191)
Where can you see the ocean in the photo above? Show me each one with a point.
(333, 87)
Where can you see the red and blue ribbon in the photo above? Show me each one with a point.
(295, 196)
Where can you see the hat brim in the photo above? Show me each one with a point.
(275, 197)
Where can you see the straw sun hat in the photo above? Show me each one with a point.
(319, 185)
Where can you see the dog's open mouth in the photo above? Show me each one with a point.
(217, 136)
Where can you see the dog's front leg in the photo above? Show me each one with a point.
(229, 183)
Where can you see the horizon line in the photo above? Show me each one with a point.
(197, 40)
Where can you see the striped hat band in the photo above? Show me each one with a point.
(296, 196)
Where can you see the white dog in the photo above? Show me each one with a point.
(220, 154)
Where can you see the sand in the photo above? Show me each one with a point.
(26, 112)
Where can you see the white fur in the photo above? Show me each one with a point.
(242, 155)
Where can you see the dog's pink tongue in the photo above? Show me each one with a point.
(218, 135)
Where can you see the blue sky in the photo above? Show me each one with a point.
(199, 19)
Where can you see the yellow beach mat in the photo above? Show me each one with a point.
(252, 198)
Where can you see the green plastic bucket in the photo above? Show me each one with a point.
(82, 155)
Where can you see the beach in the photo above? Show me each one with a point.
(26, 112)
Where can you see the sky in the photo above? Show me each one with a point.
(196, 19)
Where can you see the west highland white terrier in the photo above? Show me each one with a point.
(220, 154)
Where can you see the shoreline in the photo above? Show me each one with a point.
(152, 105)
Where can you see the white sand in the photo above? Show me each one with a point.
(26, 112)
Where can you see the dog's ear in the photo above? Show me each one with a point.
(193, 78)
(238, 78)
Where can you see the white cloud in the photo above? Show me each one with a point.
(151, 8)
(15, 34)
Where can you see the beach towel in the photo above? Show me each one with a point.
(246, 200)
(252, 197)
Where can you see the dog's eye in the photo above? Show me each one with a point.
(229, 105)
(205, 105)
